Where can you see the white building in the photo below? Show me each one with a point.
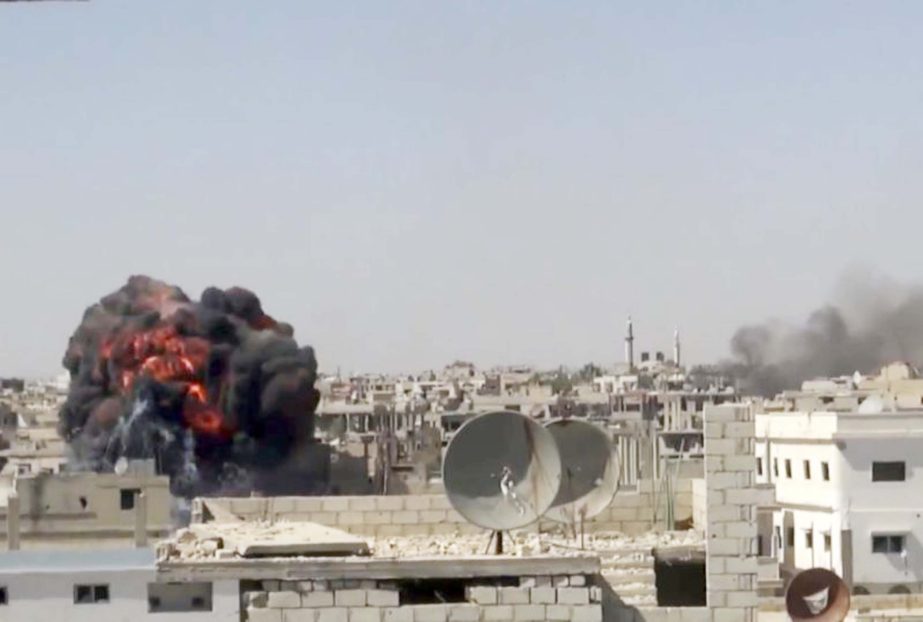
(849, 494)
(105, 586)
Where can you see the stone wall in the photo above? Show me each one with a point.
(563, 598)
(631, 512)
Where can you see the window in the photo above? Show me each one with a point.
(888, 472)
(809, 538)
(172, 597)
(888, 544)
(3, 596)
(759, 466)
(827, 542)
(778, 538)
(91, 594)
(788, 468)
(127, 498)
(807, 469)
(825, 471)
(775, 467)
(790, 536)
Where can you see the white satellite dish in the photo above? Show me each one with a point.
(589, 473)
(502, 471)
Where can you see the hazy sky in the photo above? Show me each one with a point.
(414, 182)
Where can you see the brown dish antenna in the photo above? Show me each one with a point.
(817, 595)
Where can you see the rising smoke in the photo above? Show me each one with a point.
(872, 322)
(215, 391)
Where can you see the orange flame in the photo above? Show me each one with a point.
(166, 356)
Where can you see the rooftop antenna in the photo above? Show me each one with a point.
(589, 476)
(502, 470)
(817, 595)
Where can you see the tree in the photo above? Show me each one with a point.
(588, 372)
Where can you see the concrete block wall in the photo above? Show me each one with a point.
(725, 503)
(730, 534)
(631, 512)
(533, 598)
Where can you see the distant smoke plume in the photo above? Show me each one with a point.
(216, 392)
(873, 322)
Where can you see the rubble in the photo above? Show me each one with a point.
(237, 539)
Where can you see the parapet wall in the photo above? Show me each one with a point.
(632, 512)
(536, 598)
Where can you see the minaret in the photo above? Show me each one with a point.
(630, 347)
(676, 346)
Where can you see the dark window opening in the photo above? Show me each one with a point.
(759, 466)
(775, 467)
(680, 583)
(173, 597)
(789, 536)
(825, 471)
(809, 539)
(83, 503)
(434, 591)
(91, 594)
(888, 544)
(888, 472)
(3, 596)
(788, 468)
(127, 498)
(807, 469)
(827, 542)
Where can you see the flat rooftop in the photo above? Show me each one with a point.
(76, 560)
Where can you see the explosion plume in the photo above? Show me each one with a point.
(874, 322)
(216, 392)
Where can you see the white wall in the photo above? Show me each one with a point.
(48, 596)
(884, 508)
(818, 524)
(877, 568)
(849, 444)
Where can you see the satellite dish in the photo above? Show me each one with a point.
(589, 473)
(817, 595)
(501, 471)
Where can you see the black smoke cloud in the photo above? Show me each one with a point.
(215, 391)
(872, 322)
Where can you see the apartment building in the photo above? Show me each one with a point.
(105, 586)
(848, 495)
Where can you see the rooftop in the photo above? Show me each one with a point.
(76, 560)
